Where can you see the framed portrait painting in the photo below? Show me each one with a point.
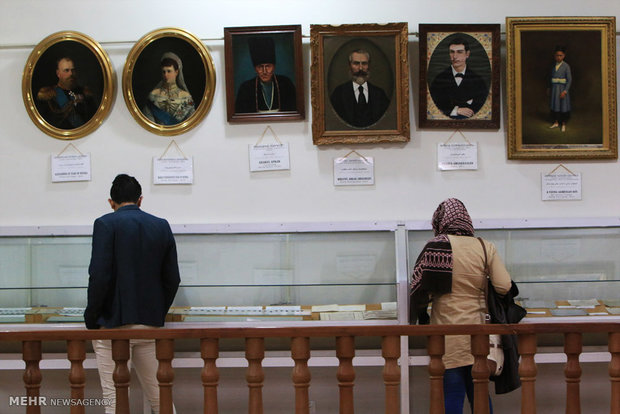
(459, 76)
(169, 81)
(264, 73)
(561, 88)
(360, 83)
(68, 85)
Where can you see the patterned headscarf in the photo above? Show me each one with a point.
(451, 217)
(432, 273)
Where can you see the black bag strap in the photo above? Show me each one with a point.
(486, 263)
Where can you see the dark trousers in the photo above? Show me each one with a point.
(458, 383)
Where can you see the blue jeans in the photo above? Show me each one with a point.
(457, 383)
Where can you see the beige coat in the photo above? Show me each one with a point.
(465, 304)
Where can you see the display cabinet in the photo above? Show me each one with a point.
(316, 273)
(354, 272)
(562, 267)
(244, 274)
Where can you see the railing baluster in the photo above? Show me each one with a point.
(527, 372)
(436, 348)
(121, 377)
(390, 350)
(76, 353)
(300, 352)
(614, 371)
(31, 353)
(210, 374)
(164, 350)
(480, 373)
(572, 371)
(345, 351)
(254, 353)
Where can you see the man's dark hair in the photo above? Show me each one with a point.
(459, 40)
(125, 189)
(560, 48)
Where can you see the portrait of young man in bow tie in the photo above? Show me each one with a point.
(458, 91)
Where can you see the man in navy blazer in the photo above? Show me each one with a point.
(134, 276)
(358, 102)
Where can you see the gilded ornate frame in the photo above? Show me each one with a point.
(388, 46)
(141, 72)
(591, 132)
(40, 71)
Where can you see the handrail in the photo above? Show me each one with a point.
(512, 223)
(300, 352)
(213, 331)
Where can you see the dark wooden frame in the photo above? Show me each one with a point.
(594, 118)
(327, 44)
(294, 68)
(487, 37)
(74, 45)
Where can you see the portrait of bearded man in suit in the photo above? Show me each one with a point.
(358, 102)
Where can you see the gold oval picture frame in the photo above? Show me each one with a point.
(169, 81)
(68, 85)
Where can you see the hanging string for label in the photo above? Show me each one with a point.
(356, 153)
(459, 131)
(173, 142)
(263, 135)
(561, 166)
(67, 147)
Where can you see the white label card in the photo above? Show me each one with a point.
(173, 170)
(561, 187)
(269, 157)
(457, 156)
(70, 168)
(354, 171)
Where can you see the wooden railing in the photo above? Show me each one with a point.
(300, 353)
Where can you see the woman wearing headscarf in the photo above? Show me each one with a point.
(450, 273)
(170, 101)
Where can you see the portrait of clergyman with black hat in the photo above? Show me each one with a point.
(264, 73)
(267, 91)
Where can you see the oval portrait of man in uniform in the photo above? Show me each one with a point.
(68, 85)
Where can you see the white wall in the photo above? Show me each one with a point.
(408, 184)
